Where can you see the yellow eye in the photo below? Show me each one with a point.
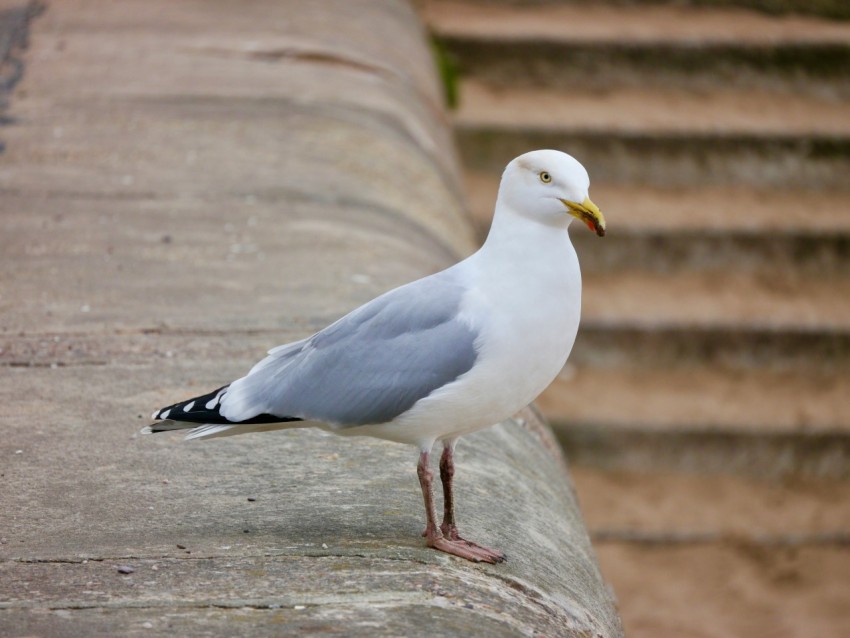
(545, 177)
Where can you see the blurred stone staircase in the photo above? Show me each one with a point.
(706, 407)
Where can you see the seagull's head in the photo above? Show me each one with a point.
(548, 184)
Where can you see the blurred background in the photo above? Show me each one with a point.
(705, 407)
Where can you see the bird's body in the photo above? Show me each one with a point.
(496, 387)
(440, 357)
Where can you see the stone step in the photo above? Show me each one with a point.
(717, 590)
(738, 320)
(836, 9)
(696, 373)
(784, 542)
(804, 254)
(598, 46)
(758, 423)
(716, 301)
(664, 137)
(671, 159)
(701, 399)
(641, 110)
(703, 228)
(611, 344)
(675, 507)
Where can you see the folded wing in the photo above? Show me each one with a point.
(369, 367)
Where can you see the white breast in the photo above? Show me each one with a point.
(521, 350)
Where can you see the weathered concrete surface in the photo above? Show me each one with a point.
(185, 185)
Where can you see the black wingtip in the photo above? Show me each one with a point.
(201, 409)
(204, 410)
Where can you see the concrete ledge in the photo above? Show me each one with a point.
(185, 185)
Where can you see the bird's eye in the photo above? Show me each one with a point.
(545, 177)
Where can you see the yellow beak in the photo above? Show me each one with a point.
(589, 213)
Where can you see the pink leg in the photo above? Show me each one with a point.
(449, 526)
(426, 478)
(447, 472)
(447, 541)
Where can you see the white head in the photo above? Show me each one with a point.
(546, 185)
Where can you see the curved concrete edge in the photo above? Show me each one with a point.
(187, 188)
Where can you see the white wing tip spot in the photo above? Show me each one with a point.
(215, 400)
(188, 406)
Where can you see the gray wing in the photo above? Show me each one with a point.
(370, 366)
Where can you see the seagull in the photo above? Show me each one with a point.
(432, 360)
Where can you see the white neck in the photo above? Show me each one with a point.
(517, 238)
(531, 267)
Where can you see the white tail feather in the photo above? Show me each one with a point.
(213, 431)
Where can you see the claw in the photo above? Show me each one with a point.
(467, 550)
